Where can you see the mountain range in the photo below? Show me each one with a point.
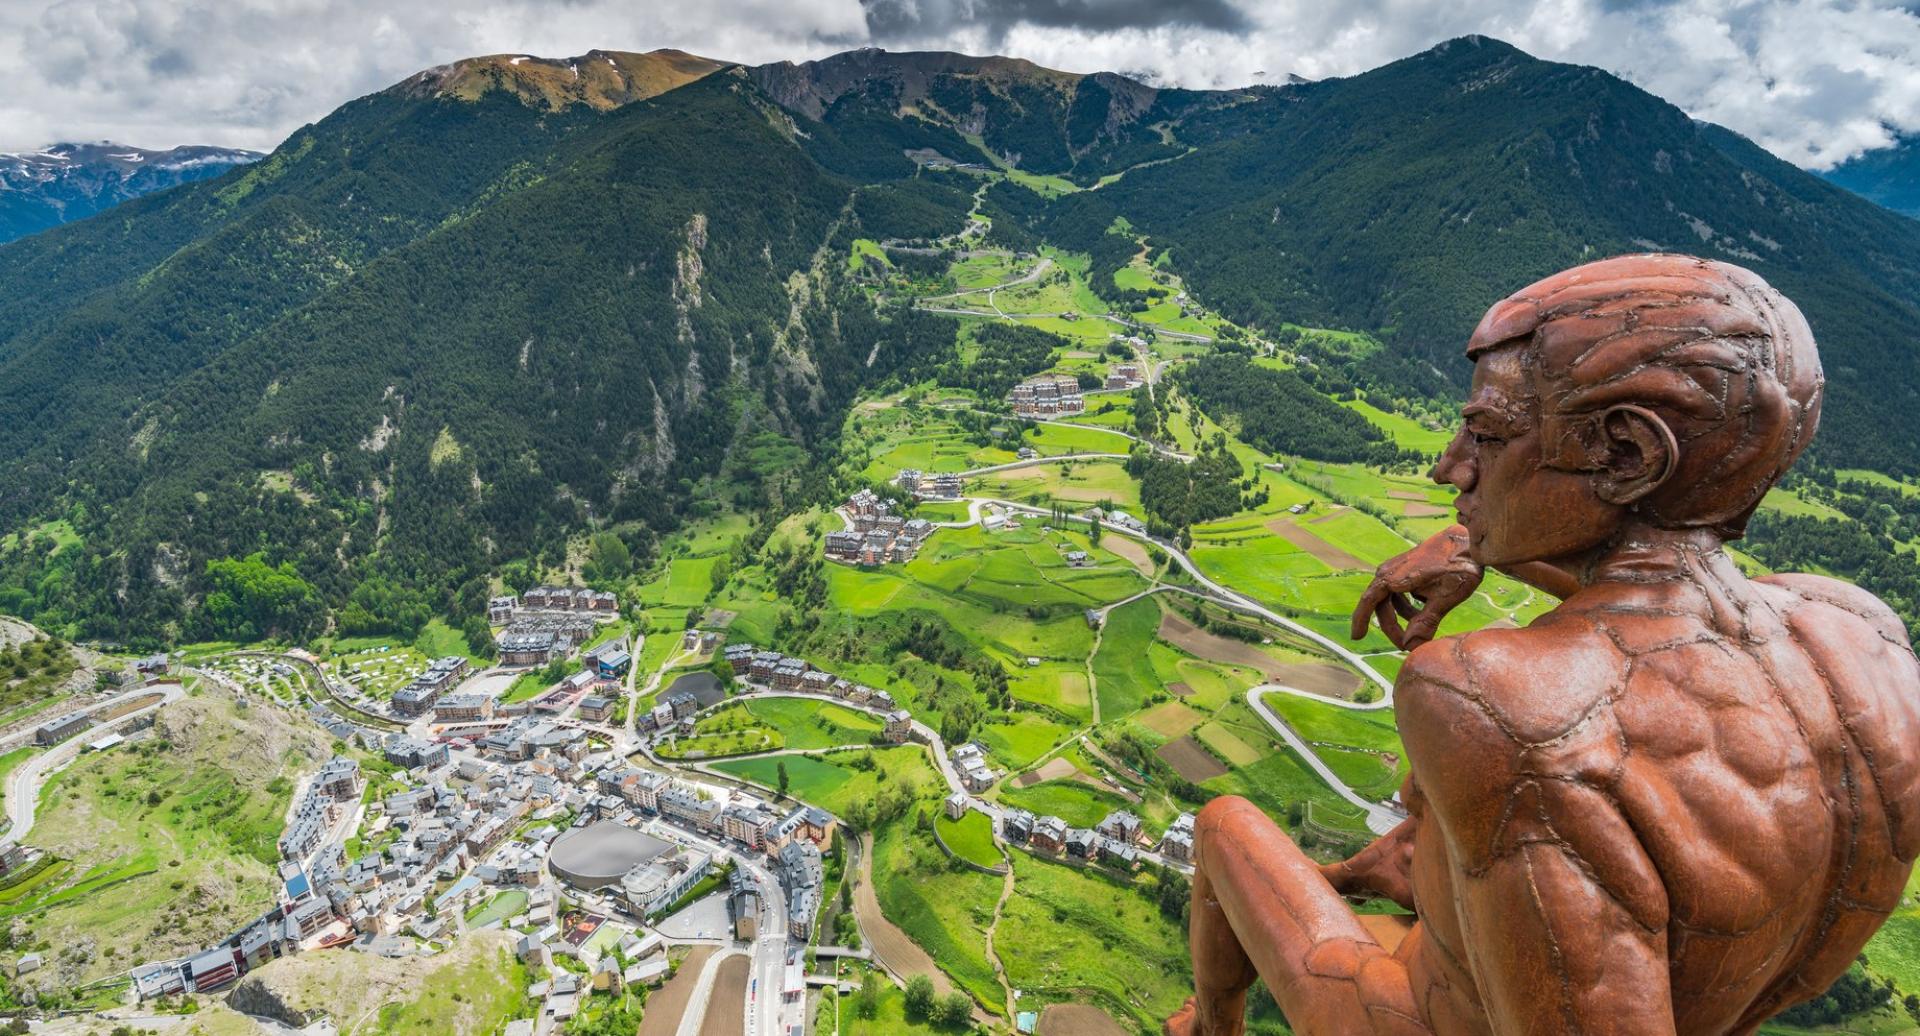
(41, 189)
(459, 321)
(1890, 176)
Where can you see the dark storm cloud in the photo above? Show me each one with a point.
(892, 21)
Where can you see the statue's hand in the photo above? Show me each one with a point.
(1384, 868)
(1420, 586)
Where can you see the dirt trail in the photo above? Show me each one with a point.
(669, 1002)
(993, 956)
(891, 947)
(727, 1005)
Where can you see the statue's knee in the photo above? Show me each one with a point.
(1226, 817)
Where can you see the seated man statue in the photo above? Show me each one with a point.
(1679, 802)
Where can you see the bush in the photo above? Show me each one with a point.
(920, 997)
(953, 1010)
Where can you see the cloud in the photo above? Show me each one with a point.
(1815, 81)
(890, 21)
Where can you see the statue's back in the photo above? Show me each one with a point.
(1770, 764)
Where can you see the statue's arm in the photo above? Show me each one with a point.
(1563, 912)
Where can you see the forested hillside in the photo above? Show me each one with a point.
(396, 368)
(1405, 200)
(470, 320)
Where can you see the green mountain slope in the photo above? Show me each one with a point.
(1405, 200)
(1890, 176)
(417, 361)
(463, 322)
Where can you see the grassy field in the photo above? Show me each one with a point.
(1077, 803)
(939, 904)
(812, 724)
(1362, 747)
(836, 781)
(1021, 739)
(1123, 674)
(1075, 485)
(170, 841)
(1010, 593)
(1071, 935)
(889, 1013)
(1406, 432)
(501, 907)
(767, 724)
(970, 837)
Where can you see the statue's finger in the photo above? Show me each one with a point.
(1389, 623)
(1370, 600)
(1404, 605)
(1422, 627)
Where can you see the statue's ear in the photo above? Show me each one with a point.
(1641, 454)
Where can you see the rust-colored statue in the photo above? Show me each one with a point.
(1678, 803)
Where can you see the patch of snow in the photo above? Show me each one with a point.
(611, 65)
(515, 61)
(134, 157)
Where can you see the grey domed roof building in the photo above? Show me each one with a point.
(600, 854)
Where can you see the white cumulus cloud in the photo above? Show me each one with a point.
(1815, 81)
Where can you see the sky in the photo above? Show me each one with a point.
(1814, 81)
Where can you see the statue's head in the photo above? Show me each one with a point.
(1660, 389)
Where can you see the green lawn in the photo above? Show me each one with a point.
(1123, 674)
(834, 783)
(807, 724)
(971, 838)
(940, 905)
(1021, 739)
(1406, 432)
(1073, 935)
(889, 1013)
(1365, 739)
(1080, 805)
(501, 907)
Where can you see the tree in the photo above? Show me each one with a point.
(920, 998)
(953, 1010)
(782, 769)
(866, 1003)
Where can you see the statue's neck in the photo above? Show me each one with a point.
(1645, 554)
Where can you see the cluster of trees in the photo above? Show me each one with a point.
(1279, 412)
(1007, 354)
(1862, 550)
(924, 1005)
(929, 206)
(250, 599)
(1854, 992)
(41, 656)
(1176, 493)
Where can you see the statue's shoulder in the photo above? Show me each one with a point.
(1530, 685)
(1486, 715)
(1833, 601)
